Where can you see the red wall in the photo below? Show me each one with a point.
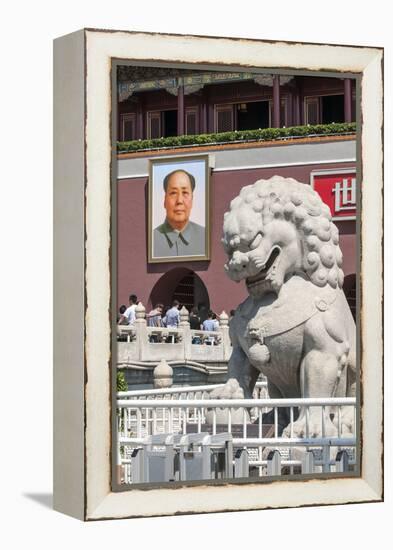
(135, 275)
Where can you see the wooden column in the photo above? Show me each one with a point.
(289, 121)
(296, 109)
(203, 113)
(276, 101)
(203, 117)
(301, 111)
(180, 110)
(139, 121)
(347, 100)
(210, 118)
(298, 102)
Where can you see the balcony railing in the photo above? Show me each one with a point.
(141, 343)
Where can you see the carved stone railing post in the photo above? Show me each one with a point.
(224, 329)
(163, 375)
(140, 329)
(186, 332)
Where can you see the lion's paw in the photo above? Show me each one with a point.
(299, 429)
(230, 390)
(347, 421)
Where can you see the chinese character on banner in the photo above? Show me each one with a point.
(337, 189)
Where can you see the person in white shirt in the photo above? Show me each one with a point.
(216, 322)
(128, 317)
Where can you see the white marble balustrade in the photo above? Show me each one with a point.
(138, 342)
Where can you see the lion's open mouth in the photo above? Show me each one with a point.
(274, 253)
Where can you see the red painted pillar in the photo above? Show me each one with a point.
(180, 110)
(203, 128)
(289, 121)
(210, 119)
(276, 101)
(119, 128)
(300, 100)
(347, 100)
(204, 118)
(296, 109)
(139, 121)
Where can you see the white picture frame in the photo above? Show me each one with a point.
(82, 334)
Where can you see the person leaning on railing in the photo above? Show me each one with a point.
(121, 320)
(173, 319)
(154, 319)
(211, 326)
(195, 320)
(215, 321)
(195, 324)
(128, 317)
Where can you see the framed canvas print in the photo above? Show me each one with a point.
(218, 274)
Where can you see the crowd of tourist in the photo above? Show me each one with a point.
(200, 318)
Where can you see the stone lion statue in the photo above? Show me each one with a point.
(296, 326)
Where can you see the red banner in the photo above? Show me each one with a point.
(337, 189)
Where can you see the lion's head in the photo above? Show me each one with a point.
(276, 228)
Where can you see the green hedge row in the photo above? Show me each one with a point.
(265, 134)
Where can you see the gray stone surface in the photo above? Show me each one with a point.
(294, 154)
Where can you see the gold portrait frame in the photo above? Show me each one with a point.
(178, 160)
